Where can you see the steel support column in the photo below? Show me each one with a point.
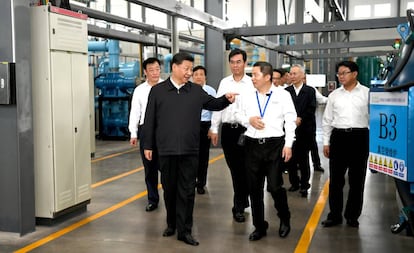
(174, 36)
(214, 45)
(271, 19)
(17, 208)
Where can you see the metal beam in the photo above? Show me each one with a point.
(131, 23)
(338, 10)
(317, 27)
(351, 44)
(137, 38)
(347, 55)
(178, 9)
(270, 45)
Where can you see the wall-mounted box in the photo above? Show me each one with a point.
(7, 83)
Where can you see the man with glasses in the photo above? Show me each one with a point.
(346, 144)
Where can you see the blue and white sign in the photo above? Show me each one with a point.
(388, 133)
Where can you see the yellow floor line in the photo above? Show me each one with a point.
(113, 155)
(313, 222)
(108, 180)
(79, 224)
(215, 159)
(95, 216)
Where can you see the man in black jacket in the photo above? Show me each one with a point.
(303, 97)
(172, 124)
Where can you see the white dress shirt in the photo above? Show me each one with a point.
(345, 109)
(138, 107)
(297, 89)
(321, 99)
(228, 84)
(279, 116)
(206, 114)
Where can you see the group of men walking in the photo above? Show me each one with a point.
(264, 129)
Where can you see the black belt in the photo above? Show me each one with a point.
(350, 130)
(263, 140)
(205, 122)
(232, 125)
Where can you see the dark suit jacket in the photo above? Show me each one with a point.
(305, 105)
(172, 117)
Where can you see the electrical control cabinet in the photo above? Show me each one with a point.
(61, 111)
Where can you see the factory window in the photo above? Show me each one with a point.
(410, 5)
(136, 12)
(382, 10)
(362, 11)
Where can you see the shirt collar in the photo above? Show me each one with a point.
(184, 86)
(357, 87)
(244, 79)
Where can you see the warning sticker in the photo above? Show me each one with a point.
(388, 165)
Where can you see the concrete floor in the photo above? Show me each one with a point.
(116, 221)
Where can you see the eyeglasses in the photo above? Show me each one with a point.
(343, 73)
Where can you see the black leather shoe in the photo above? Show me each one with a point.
(352, 223)
(187, 238)
(257, 234)
(151, 207)
(168, 232)
(200, 190)
(397, 228)
(239, 216)
(319, 168)
(284, 228)
(303, 193)
(293, 188)
(330, 223)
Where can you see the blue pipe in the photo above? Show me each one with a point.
(113, 51)
(97, 46)
(167, 63)
(110, 46)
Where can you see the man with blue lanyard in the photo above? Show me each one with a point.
(269, 115)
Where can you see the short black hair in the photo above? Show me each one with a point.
(353, 67)
(179, 57)
(237, 51)
(150, 60)
(265, 67)
(281, 71)
(200, 67)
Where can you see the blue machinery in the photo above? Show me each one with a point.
(392, 127)
(115, 83)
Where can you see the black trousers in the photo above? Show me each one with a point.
(316, 160)
(178, 176)
(151, 174)
(300, 162)
(203, 154)
(234, 155)
(348, 152)
(263, 161)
